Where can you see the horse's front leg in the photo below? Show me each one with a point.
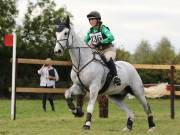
(74, 90)
(94, 89)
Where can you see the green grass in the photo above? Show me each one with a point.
(31, 120)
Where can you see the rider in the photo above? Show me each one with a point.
(100, 38)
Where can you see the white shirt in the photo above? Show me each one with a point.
(44, 72)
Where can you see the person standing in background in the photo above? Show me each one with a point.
(48, 78)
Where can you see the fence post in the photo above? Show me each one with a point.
(13, 81)
(13, 92)
(172, 92)
(80, 101)
(103, 106)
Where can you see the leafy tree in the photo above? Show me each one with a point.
(177, 58)
(143, 53)
(122, 55)
(164, 52)
(8, 13)
(37, 36)
(177, 74)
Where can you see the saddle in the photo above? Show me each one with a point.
(109, 76)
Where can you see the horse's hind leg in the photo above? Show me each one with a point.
(141, 97)
(74, 90)
(118, 100)
(147, 109)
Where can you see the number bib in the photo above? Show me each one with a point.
(96, 37)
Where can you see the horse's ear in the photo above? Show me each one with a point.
(58, 21)
(68, 21)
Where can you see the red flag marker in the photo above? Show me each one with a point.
(8, 40)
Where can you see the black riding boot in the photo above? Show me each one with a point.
(113, 71)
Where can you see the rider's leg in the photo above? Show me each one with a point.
(108, 59)
(113, 71)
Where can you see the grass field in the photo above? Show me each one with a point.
(31, 120)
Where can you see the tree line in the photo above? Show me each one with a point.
(36, 39)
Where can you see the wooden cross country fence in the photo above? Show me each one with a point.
(104, 106)
(103, 101)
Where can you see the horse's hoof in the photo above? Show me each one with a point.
(79, 113)
(151, 129)
(78, 116)
(86, 127)
(126, 129)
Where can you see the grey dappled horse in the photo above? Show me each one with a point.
(89, 72)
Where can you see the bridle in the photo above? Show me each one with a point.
(65, 39)
(77, 69)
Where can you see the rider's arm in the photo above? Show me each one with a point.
(87, 38)
(109, 36)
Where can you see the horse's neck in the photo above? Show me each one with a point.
(80, 55)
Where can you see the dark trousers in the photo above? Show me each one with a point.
(50, 97)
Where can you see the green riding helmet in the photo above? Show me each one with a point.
(94, 14)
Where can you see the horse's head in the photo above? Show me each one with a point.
(62, 36)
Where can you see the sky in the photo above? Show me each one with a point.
(130, 21)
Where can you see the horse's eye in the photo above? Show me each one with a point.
(65, 33)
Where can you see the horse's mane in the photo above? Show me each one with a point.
(78, 38)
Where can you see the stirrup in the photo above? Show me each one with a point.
(116, 81)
